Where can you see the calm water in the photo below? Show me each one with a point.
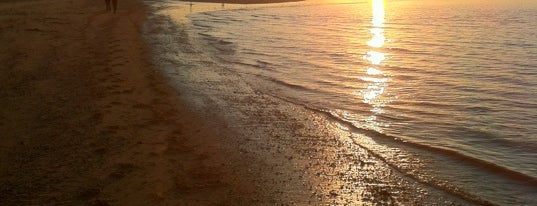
(454, 83)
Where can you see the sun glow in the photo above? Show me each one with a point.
(373, 71)
(378, 38)
(378, 13)
(377, 81)
(375, 57)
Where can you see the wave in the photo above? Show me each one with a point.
(223, 47)
(258, 64)
(334, 70)
(522, 178)
(290, 85)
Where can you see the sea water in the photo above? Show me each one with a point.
(454, 83)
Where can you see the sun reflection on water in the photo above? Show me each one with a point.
(373, 71)
(375, 57)
(378, 13)
(378, 38)
(375, 78)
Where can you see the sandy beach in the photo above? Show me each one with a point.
(85, 120)
(90, 115)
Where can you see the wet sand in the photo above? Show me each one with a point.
(86, 119)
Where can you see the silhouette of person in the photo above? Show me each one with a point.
(114, 4)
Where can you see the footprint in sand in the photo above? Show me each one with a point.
(115, 103)
(112, 87)
(100, 151)
(114, 44)
(109, 130)
(122, 170)
(98, 117)
(89, 194)
(117, 50)
(52, 20)
(117, 64)
(141, 106)
(100, 202)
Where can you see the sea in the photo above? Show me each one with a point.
(454, 83)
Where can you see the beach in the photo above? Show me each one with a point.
(85, 120)
(99, 108)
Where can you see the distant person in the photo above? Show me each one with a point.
(114, 4)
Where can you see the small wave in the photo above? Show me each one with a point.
(201, 25)
(222, 46)
(478, 163)
(399, 50)
(258, 64)
(251, 52)
(290, 85)
(328, 83)
(430, 104)
(223, 42)
(205, 35)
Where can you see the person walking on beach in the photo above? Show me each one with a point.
(114, 4)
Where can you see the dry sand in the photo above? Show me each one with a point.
(85, 120)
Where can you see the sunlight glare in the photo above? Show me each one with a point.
(375, 57)
(377, 82)
(373, 71)
(378, 13)
(378, 38)
(373, 92)
(374, 79)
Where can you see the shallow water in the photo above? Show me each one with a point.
(452, 87)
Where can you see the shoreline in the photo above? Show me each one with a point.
(87, 118)
(95, 113)
(179, 10)
(419, 174)
(269, 120)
